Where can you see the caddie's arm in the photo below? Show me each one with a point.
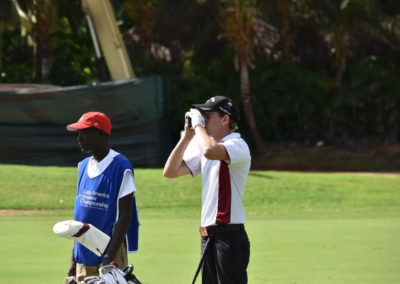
(122, 225)
(72, 267)
(175, 166)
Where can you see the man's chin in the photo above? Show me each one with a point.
(86, 151)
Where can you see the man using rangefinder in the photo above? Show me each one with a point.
(210, 146)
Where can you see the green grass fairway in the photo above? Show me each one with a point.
(329, 251)
(304, 228)
(283, 251)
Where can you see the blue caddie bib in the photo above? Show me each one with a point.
(96, 203)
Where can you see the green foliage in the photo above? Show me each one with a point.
(74, 62)
(331, 75)
(375, 98)
(296, 102)
(17, 67)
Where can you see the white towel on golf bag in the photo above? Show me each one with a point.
(109, 274)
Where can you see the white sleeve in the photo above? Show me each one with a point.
(192, 157)
(238, 151)
(127, 184)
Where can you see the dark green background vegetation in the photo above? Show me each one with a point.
(322, 70)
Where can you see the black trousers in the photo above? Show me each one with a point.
(227, 258)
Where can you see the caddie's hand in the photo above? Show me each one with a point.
(105, 260)
(197, 118)
(70, 280)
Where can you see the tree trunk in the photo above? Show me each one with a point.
(342, 52)
(43, 41)
(260, 146)
(1, 48)
(286, 37)
(342, 65)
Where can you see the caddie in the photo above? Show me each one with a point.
(209, 146)
(105, 197)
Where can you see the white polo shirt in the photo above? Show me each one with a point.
(223, 182)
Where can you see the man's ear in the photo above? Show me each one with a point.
(102, 133)
(225, 119)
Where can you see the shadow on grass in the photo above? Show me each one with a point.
(261, 175)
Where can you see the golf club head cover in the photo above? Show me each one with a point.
(197, 118)
(91, 279)
(112, 275)
(86, 234)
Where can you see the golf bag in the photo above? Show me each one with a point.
(97, 242)
(109, 274)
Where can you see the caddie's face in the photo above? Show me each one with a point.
(89, 140)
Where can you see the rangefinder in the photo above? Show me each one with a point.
(188, 121)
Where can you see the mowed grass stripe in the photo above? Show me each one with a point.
(282, 251)
(269, 194)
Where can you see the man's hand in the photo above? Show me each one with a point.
(196, 118)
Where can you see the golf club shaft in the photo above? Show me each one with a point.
(202, 259)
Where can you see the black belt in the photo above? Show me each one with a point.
(214, 230)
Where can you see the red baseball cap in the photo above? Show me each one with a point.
(92, 119)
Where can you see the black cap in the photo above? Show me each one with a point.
(220, 104)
